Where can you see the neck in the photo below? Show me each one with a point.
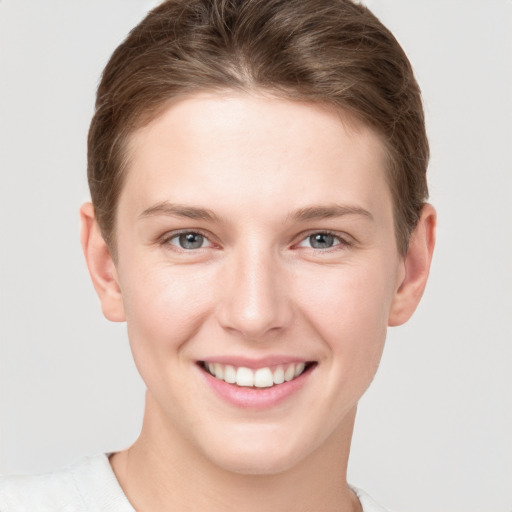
(163, 472)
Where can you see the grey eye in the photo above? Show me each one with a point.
(190, 240)
(322, 240)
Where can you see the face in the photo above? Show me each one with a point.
(258, 265)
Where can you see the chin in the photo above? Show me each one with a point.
(255, 453)
(255, 463)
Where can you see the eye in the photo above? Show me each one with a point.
(321, 241)
(189, 240)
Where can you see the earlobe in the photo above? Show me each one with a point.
(101, 266)
(416, 265)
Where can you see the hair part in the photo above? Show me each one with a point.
(332, 52)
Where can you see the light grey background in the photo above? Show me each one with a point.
(434, 431)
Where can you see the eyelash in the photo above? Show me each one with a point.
(166, 240)
(341, 242)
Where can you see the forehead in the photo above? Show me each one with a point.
(240, 149)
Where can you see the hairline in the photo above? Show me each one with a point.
(351, 119)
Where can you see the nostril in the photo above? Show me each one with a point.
(253, 300)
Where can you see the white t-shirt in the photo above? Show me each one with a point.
(87, 486)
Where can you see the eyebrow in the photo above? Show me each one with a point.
(179, 210)
(301, 215)
(325, 212)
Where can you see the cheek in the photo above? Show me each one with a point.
(348, 307)
(165, 306)
(353, 297)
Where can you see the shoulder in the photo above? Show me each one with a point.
(52, 491)
(367, 502)
(89, 484)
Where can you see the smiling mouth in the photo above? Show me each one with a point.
(257, 378)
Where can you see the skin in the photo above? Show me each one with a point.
(268, 171)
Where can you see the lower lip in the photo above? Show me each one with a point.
(255, 398)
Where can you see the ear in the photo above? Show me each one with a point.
(101, 266)
(416, 266)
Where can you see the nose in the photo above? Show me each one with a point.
(254, 300)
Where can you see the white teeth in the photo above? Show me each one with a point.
(289, 373)
(219, 371)
(260, 378)
(230, 374)
(299, 368)
(263, 378)
(279, 375)
(244, 377)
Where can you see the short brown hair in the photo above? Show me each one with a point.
(333, 52)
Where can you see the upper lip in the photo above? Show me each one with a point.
(255, 363)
